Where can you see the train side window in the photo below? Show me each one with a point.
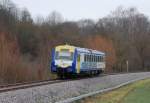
(101, 58)
(98, 58)
(90, 58)
(84, 58)
(93, 58)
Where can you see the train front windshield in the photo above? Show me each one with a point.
(64, 55)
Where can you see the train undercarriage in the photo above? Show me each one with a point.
(63, 74)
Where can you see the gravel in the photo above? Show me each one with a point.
(60, 91)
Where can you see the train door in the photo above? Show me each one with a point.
(78, 63)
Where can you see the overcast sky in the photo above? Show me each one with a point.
(80, 9)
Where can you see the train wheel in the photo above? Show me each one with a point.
(97, 73)
(91, 73)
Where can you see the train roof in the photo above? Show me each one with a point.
(85, 50)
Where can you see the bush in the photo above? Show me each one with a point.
(13, 67)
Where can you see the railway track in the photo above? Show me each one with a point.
(10, 87)
(67, 90)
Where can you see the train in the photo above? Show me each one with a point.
(68, 60)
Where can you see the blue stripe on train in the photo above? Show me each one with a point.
(74, 62)
(53, 67)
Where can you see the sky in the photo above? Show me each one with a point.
(80, 9)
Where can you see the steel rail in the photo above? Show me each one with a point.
(27, 85)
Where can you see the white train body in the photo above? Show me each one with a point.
(75, 60)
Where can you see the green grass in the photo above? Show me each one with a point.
(138, 92)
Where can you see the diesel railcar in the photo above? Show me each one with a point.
(72, 60)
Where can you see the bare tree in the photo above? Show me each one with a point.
(54, 18)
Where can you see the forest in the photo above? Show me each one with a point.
(26, 42)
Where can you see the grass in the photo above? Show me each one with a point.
(138, 92)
